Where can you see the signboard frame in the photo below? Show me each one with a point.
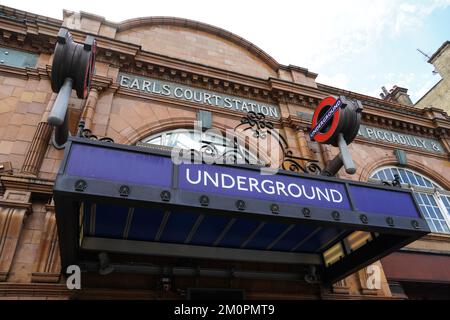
(393, 237)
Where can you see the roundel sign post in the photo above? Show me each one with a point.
(336, 122)
(72, 68)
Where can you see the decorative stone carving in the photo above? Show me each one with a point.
(341, 287)
(14, 206)
(48, 265)
(89, 108)
(38, 147)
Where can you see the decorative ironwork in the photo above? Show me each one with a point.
(261, 128)
(258, 124)
(395, 183)
(86, 133)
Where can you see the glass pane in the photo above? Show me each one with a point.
(382, 175)
(428, 183)
(389, 175)
(418, 198)
(403, 177)
(189, 139)
(411, 178)
(421, 181)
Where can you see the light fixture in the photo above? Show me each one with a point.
(105, 266)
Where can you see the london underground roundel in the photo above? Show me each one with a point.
(334, 116)
(325, 120)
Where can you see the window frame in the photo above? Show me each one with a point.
(436, 191)
(163, 135)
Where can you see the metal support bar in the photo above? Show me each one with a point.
(201, 252)
(345, 155)
(59, 110)
(194, 272)
(344, 158)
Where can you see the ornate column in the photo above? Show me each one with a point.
(14, 206)
(48, 265)
(38, 147)
(89, 108)
(326, 153)
(303, 143)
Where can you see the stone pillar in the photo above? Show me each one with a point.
(89, 108)
(303, 143)
(341, 287)
(326, 153)
(48, 265)
(14, 206)
(38, 147)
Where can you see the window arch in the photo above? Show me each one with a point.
(210, 143)
(433, 200)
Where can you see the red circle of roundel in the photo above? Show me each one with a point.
(323, 137)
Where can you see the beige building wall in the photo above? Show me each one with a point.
(29, 264)
(439, 95)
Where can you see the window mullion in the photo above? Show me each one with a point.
(443, 208)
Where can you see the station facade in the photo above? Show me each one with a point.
(154, 78)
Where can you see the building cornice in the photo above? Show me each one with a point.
(24, 183)
(438, 52)
(130, 57)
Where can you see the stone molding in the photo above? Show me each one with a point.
(14, 206)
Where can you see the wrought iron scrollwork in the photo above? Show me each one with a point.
(262, 127)
(257, 123)
(394, 183)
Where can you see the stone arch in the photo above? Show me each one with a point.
(171, 124)
(154, 34)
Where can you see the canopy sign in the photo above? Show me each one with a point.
(136, 200)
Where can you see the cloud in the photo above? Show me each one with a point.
(339, 80)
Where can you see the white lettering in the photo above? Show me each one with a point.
(124, 81)
(190, 180)
(178, 92)
(335, 192)
(207, 176)
(135, 83)
(321, 193)
(299, 191)
(241, 182)
(271, 189)
(253, 183)
(224, 185)
(280, 188)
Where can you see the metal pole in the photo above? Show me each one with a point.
(58, 113)
(345, 155)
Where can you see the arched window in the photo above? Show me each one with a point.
(433, 200)
(210, 143)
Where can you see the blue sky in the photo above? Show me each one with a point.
(358, 45)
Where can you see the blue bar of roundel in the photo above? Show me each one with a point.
(373, 200)
(212, 170)
(118, 165)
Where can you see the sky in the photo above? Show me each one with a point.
(357, 45)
